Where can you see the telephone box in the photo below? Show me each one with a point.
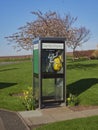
(49, 71)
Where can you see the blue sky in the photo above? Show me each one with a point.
(15, 13)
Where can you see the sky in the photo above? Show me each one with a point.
(16, 13)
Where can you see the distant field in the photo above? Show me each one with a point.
(15, 58)
(85, 53)
(82, 81)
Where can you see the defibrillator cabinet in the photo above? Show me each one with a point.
(49, 71)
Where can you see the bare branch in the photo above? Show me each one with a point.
(50, 24)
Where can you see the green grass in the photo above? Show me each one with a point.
(82, 81)
(14, 78)
(89, 123)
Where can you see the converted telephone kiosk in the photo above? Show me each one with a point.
(49, 71)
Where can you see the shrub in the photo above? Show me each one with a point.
(72, 100)
(94, 55)
(28, 100)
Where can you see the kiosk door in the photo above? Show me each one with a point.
(53, 72)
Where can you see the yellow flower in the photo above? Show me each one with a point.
(27, 92)
(24, 93)
(68, 99)
(30, 88)
(25, 97)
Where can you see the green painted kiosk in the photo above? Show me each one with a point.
(49, 71)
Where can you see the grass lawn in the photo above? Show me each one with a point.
(14, 78)
(89, 123)
(82, 81)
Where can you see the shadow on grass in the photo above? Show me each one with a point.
(81, 66)
(80, 86)
(5, 85)
(8, 69)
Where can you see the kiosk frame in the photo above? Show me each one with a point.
(49, 71)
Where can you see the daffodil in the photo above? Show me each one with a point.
(68, 99)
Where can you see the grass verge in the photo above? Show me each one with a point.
(14, 78)
(89, 123)
(81, 80)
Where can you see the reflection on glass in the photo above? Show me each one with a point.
(52, 89)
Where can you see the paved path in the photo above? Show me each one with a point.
(29, 119)
(11, 121)
(44, 116)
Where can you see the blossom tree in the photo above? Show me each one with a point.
(76, 37)
(50, 24)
